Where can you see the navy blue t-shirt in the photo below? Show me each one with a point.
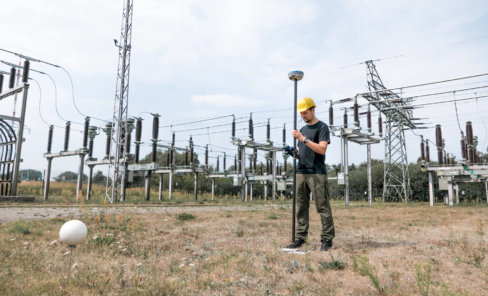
(309, 161)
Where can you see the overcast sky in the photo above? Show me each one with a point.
(195, 60)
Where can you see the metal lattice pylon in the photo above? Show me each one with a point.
(118, 156)
(398, 113)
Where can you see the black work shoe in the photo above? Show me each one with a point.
(296, 244)
(326, 245)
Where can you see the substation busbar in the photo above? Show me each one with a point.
(471, 168)
(246, 178)
(355, 135)
(82, 152)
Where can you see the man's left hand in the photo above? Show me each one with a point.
(298, 135)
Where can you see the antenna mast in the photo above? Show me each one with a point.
(118, 155)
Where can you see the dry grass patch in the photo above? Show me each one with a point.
(383, 250)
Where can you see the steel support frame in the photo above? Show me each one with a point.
(117, 171)
(20, 132)
(396, 183)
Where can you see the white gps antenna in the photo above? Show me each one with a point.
(72, 233)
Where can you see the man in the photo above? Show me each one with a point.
(312, 176)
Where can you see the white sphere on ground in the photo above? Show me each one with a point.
(73, 232)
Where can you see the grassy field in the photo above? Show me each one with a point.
(65, 193)
(382, 250)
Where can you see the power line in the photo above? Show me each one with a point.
(197, 121)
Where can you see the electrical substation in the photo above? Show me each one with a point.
(393, 107)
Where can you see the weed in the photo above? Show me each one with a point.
(272, 216)
(477, 254)
(103, 241)
(292, 266)
(185, 217)
(58, 220)
(20, 227)
(423, 275)
(239, 231)
(480, 230)
(332, 265)
(361, 264)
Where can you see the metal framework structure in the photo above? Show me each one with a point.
(398, 113)
(117, 167)
(11, 141)
(7, 148)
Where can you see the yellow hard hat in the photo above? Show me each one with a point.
(305, 104)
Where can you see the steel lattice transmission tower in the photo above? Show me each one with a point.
(398, 113)
(118, 155)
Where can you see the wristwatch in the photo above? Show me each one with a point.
(305, 141)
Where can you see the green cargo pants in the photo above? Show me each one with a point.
(318, 185)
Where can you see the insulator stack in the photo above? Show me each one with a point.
(108, 132)
(1, 83)
(92, 132)
(469, 134)
(438, 141)
(268, 132)
(284, 135)
(138, 137)
(427, 151)
(234, 127)
(255, 158)
(168, 152)
(218, 168)
(235, 163)
(279, 170)
(155, 130)
(251, 128)
(463, 147)
(331, 114)
(85, 132)
(380, 126)
(191, 150)
(422, 148)
(356, 113)
(368, 116)
(155, 133)
(90, 149)
(66, 135)
(11, 81)
(345, 118)
(129, 128)
(50, 139)
(186, 156)
(25, 73)
(284, 165)
(206, 155)
(225, 160)
(445, 158)
(127, 142)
